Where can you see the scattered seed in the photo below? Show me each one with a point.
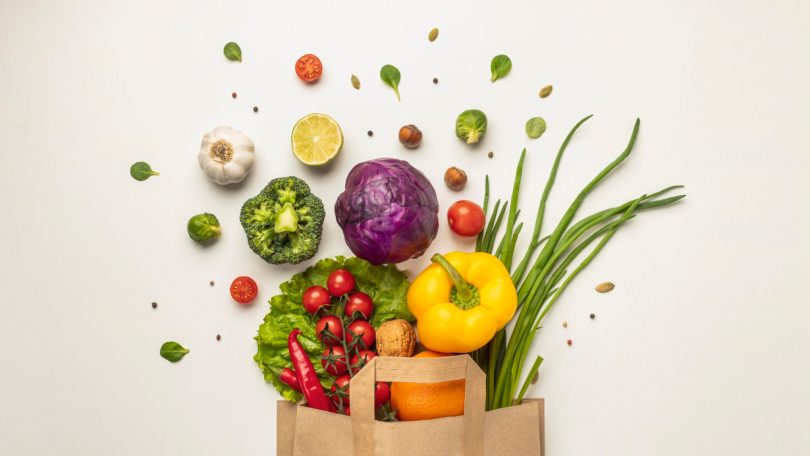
(211, 283)
(154, 305)
(545, 91)
(255, 109)
(435, 80)
(605, 287)
(355, 82)
(569, 342)
(434, 33)
(593, 316)
(233, 95)
(370, 133)
(565, 324)
(490, 154)
(219, 337)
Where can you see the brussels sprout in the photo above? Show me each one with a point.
(204, 228)
(471, 125)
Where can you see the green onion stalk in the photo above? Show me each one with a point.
(541, 278)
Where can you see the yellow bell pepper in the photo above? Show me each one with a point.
(461, 300)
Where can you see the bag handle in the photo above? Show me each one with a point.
(418, 370)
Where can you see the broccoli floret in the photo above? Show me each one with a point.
(283, 223)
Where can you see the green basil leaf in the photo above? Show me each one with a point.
(535, 127)
(140, 171)
(500, 66)
(390, 75)
(233, 52)
(173, 352)
(355, 82)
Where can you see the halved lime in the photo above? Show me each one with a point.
(316, 139)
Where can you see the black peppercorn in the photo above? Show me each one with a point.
(370, 133)
(255, 109)
(593, 316)
(219, 337)
(154, 305)
(435, 80)
(233, 95)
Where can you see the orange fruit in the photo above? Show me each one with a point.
(425, 401)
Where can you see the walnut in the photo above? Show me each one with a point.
(396, 338)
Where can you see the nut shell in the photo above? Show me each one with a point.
(396, 338)
(410, 136)
(455, 178)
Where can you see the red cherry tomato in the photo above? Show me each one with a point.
(347, 411)
(316, 297)
(244, 290)
(359, 302)
(466, 218)
(342, 384)
(309, 68)
(340, 282)
(335, 327)
(382, 392)
(334, 360)
(363, 330)
(357, 362)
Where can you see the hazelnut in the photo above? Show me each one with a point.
(455, 178)
(396, 338)
(410, 136)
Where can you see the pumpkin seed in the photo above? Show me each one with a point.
(605, 287)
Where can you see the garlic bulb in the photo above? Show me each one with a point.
(226, 155)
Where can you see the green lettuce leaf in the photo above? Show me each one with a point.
(386, 285)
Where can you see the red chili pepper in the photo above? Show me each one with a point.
(307, 378)
(290, 378)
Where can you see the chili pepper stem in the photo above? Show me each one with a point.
(465, 294)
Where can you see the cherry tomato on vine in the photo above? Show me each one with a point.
(244, 290)
(340, 282)
(357, 362)
(316, 297)
(466, 218)
(382, 392)
(359, 302)
(363, 330)
(335, 327)
(341, 383)
(334, 360)
(309, 68)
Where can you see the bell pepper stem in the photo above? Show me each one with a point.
(463, 288)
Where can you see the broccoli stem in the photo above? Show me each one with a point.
(286, 220)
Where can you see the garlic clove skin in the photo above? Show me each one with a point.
(226, 155)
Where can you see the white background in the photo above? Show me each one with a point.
(702, 348)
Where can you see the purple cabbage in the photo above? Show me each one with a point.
(388, 211)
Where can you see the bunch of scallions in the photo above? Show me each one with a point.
(541, 279)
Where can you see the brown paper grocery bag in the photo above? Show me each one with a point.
(517, 430)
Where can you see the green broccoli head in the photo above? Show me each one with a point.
(283, 223)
